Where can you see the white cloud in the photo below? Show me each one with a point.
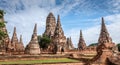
(115, 5)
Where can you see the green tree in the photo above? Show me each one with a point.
(2, 25)
(93, 44)
(2, 33)
(118, 45)
(2, 12)
(44, 41)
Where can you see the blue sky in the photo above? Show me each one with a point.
(75, 15)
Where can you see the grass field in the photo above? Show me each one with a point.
(51, 60)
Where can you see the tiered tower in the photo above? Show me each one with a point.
(50, 25)
(14, 40)
(81, 44)
(105, 46)
(104, 35)
(33, 46)
(69, 44)
(59, 39)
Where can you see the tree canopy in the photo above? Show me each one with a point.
(93, 44)
(43, 41)
(2, 12)
(2, 25)
(118, 46)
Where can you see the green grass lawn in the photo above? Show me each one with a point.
(52, 60)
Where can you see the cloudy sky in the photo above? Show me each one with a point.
(75, 15)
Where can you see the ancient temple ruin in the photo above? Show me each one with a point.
(14, 41)
(105, 46)
(59, 40)
(81, 44)
(50, 25)
(33, 46)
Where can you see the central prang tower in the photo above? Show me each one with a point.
(50, 25)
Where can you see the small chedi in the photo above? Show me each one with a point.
(69, 44)
(81, 44)
(10, 46)
(16, 47)
(33, 46)
(20, 46)
(14, 41)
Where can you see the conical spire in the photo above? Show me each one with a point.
(104, 35)
(59, 38)
(68, 43)
(58, 29)
(33, 46)
(34, 35)
(14, 32)
(58, 21)
(14, 40)
(35, 29)
(105, 45)
(81, 44)
(71, 44)
(14, 37)
(21, 38)
(103, 27)
(81, 36)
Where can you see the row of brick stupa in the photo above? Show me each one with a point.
(12, 45)
(53, 30)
